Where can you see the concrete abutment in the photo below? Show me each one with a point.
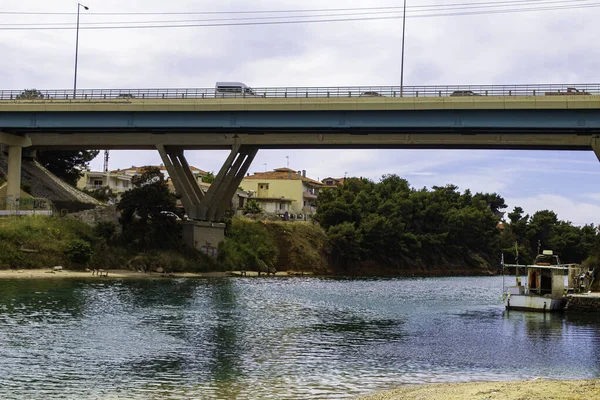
(204, 235)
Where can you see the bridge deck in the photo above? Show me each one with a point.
(517, 116)
(307, 104)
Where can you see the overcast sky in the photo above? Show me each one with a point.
(554, 46)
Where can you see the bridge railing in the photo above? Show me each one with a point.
(306, 92)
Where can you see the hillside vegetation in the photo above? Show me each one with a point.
(45, 242)
(391, 228)
(361, 228)
(274, 246)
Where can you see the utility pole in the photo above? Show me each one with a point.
(402, 59)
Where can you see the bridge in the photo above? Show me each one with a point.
(558, 117)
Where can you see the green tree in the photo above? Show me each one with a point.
(540, 230)
(68, 165)
(345, 242)
(208, 178)
(142, 217)
(252, 207)
(393, 224)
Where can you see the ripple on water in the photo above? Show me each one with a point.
(274, 338)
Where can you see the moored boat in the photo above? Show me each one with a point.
(547, 285)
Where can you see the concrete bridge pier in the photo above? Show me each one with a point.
(15, 146)
(204, 231)
(596, 146)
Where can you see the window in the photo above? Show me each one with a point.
(97, 182)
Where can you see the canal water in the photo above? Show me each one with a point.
(274, 338)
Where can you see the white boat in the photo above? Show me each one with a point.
(546, 288)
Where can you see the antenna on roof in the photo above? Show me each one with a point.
(105, 161)
(288, 161)
(265, 164)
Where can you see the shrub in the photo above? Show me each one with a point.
(79, 251)
(105, 230)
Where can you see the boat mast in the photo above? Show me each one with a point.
(517, 277)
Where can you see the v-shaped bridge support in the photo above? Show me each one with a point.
(209, 206)
(221, 191)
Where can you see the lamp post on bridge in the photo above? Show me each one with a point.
(79, 5)
(402, 59)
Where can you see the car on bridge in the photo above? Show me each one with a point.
(370, 94)
(464, 93)
(571, 91)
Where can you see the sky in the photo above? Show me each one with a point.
(522, 47)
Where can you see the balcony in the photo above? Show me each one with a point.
(309, 195)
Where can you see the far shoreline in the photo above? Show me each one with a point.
(50, 273)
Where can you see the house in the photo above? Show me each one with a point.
(120, 181)
(198, 173)
(117, 181)
(283, 189)
(333, 181)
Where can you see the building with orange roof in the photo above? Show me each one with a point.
(332, 182)
(283, 189)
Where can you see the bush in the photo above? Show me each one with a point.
(249, 245)
(39, 241)
(79, 251)
(105, 230)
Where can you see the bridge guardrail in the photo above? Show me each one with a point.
(307, 92)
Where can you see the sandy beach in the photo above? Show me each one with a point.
(537, 389)
(51, 274)
(116, 274)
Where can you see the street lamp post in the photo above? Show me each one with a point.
(402, 60)
(79, 5)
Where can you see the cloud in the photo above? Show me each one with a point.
(534, 47)
(577, 212)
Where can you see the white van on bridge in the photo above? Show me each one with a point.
(234, 89)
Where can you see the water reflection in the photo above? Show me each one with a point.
(41, 299)
(226, 364)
